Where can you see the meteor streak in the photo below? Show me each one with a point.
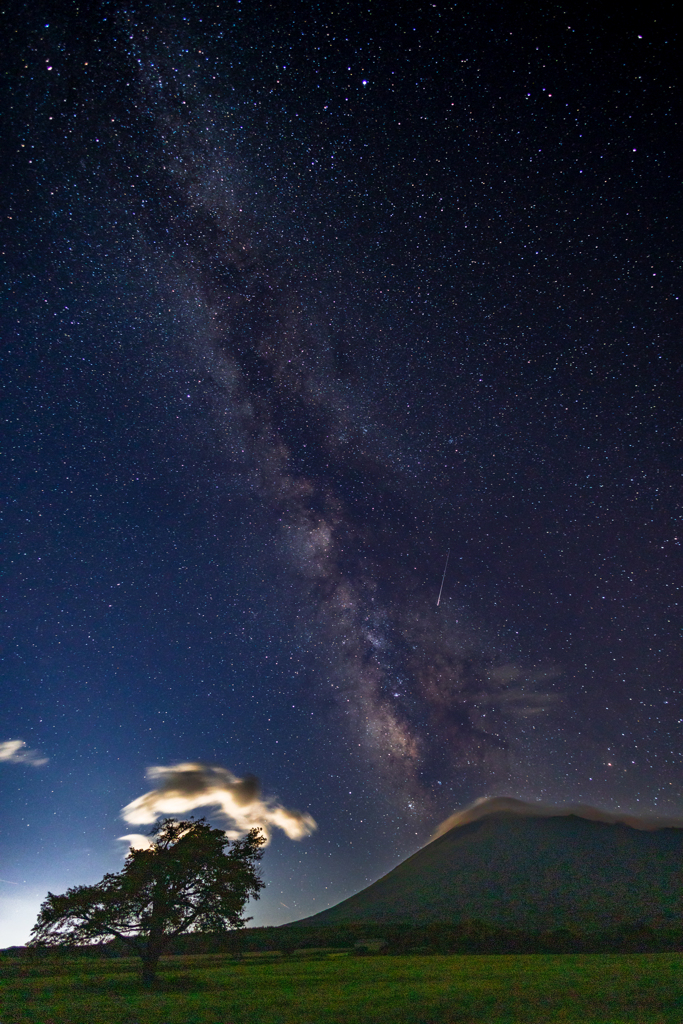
(438, 600)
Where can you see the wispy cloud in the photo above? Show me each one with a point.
(184, 787)
(16, 752)
(137, 841)
(484, 806)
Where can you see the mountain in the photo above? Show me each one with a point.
(532, 867)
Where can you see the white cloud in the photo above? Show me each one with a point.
(137, 842)
(184, 787)
(510, 805)
(16, 752)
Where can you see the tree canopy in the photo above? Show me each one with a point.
(192, 878)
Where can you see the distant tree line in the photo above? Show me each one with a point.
(448, 937)
(363, 938)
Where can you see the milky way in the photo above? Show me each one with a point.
(420, 692)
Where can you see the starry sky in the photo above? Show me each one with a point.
(297, 304)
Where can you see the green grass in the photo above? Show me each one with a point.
(329, 988)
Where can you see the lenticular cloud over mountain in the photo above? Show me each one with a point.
(186, 786)
(484, 806)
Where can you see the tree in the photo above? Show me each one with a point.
(187, 881)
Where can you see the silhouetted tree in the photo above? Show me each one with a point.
(191, 879)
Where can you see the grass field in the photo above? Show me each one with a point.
(335, 988)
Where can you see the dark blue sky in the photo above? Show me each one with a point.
(295, 301)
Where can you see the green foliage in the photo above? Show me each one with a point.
(191, 879)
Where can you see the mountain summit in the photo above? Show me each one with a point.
(532, 866)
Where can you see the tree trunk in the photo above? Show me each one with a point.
(150, 962)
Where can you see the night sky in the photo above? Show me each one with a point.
(296, 299)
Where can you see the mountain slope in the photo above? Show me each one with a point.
(530, 872)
